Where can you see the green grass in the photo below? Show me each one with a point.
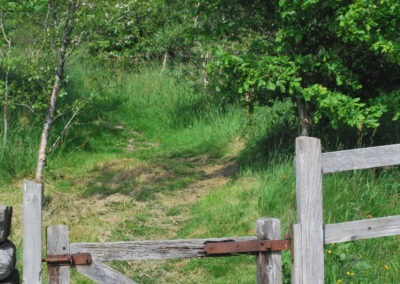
(356, 196)
(19, 157)
(131, 165)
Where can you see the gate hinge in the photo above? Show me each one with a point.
(68, 259)
(249, 247)
(221, 248)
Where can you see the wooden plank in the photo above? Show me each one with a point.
(363, 229)
(58, 243)
(103, 274)
(296, 255)
(32, 232)
(363, 158)
(309, 211)
(269, 265)
(147, 250)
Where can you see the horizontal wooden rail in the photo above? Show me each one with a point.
(101, 273)
(363, 158)
(363, 229)
(146, 250)
(194, 248)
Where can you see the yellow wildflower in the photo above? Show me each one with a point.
(339, 281)
(349, 273)
(329, 251)
(386, 267)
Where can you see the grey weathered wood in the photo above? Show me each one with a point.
(147, 250)
(32, 232)
(296, 257)
(363, 229)
(309, 211)
(7, 259)
(269, 265)
(363, 158)
(5, 222)
(103, 274)
(58, 243)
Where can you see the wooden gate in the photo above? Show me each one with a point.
(307, 242)
(58, 246)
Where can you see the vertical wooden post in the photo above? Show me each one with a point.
(32, 232)
(269, 265)
(308, 237)
(58, 243)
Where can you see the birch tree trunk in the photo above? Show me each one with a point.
(5, 102)
(164, 63)
(58, 76)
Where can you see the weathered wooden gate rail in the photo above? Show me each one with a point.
(268, 263)
(309, 234)
(268, 271)
(193, 248)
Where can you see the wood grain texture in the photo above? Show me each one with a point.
(32, 232)
(5, 222)
(103, 274)
(296, 257)
(146, 250)
(363, 158)
(58, 243)
(309, 210)
(269, 265)
(363, 229)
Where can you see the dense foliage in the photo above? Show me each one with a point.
(337, 62)
(339, 57)
(159, 97)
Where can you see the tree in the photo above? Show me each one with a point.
(66, 25)
(338, 61)
(5, 58)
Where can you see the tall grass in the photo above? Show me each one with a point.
(232, 211)
(355, 196)
(168, 121)
(164, 109)
(19, 156)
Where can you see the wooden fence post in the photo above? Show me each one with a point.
(32, 232)
(58, 243)
(308, 250)
(269, 265)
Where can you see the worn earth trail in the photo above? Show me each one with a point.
(129, 198)
(165, 210)
(133, 199)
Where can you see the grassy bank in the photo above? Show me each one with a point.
(150, 158)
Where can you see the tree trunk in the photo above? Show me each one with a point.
(203, 66)
(305, 120)
(42, 155)
(5, 102)
(164, 64)
(5, 112)
(66, 40)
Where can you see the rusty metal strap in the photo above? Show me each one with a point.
(68, 259)
(221, 248)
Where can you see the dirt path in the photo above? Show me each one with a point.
(133, 199)
(110, 205)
